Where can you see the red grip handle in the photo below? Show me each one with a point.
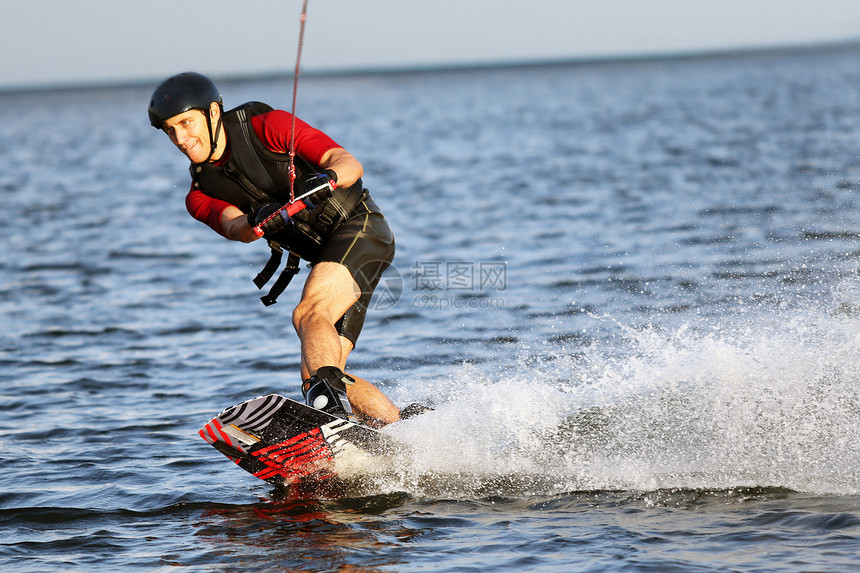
(292, 209)
(295, 207)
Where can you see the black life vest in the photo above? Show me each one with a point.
(253, 175)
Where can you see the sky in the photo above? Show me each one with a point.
(78, 42)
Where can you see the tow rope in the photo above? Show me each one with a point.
(291, 208)
(304, 18)
(294, 206)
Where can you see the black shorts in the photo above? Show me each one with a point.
(364, 244)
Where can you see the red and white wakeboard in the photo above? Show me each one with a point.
(283, 441)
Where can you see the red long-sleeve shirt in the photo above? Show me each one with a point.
(273, 129)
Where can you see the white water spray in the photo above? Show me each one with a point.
(771, 401)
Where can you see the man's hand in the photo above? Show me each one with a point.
(317, 188)
(258, 218)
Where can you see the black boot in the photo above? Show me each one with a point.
(326, 391)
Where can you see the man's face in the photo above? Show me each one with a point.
(188, 132)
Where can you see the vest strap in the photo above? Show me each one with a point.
(269, 270)
(284, 279)
(337, 209)
(247, 158)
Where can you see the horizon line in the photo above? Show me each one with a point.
(455, 67)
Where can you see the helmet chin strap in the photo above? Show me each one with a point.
(213, 138)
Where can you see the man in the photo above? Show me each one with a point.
(240, 169)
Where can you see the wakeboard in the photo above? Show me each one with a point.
(285, 442)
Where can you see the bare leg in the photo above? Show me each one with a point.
(329, 292)
(369, 402)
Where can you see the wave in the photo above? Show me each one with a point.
(767, 399)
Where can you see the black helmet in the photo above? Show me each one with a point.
(180, 93)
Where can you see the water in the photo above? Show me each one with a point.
(631, 292)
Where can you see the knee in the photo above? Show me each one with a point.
(303, 311)
(312, 312)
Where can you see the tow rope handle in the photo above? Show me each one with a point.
(292, 209)
(298, 204)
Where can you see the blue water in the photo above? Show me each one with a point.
(630, 290)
